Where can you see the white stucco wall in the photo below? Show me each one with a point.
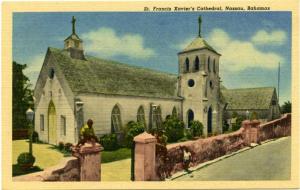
(62, 107)
(99, 108)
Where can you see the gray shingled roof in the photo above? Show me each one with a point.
(95, 75)
(198, 43)
(248, 98)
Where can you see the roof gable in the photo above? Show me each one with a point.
(95, 75)
(198, 43)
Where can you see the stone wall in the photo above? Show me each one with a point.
(276, 128)
(203, 150)
(67, 170)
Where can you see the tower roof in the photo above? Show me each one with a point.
(73, 37)
(197, 44)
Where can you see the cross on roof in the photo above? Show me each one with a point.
(73, 24)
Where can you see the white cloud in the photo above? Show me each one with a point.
(239, 55)
(33, 69)
(106, 43)
(276, 38)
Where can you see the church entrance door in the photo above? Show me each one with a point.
(52, 132)
(190, 117)
(209, 121)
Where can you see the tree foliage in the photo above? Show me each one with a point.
(22, 96)
(286, 107)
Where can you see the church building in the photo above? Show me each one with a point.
(73, 87)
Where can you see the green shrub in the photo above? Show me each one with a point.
(35, 137)
(25, 160)
(253, 115)
(174, 129)
(61, 145)
(237, 125)
(68, 146)
(196, 128)
(109, 142)
(225, 126)
(132, 129)
(187, 134)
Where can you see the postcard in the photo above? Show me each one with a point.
(150, 95)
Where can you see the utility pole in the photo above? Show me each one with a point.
(278, 79)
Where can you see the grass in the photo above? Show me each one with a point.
(115, 164)
(111, 156)
(43, 153)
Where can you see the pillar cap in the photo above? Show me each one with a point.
(144, 138)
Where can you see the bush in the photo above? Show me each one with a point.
(174, 129)
(253, 115)
(196, 128)
(188, 134)
(35, 137)
(109, 142)
(225, 126)
(132, 129)
(61, 145)
(237, 125)
(26, 160)
(68, 146)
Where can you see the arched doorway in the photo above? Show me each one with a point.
(209, 121)
(52, 132)
(190, 115)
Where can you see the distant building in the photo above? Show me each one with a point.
(73, 87)
(262, 102)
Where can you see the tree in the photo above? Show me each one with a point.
(22, 96)
(286, 107)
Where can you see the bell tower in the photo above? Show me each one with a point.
(199, 84)
(74, 44)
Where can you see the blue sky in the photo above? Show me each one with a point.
(251, 43)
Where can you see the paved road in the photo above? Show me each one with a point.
(270, 161)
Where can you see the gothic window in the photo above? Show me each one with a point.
(141, 116)
(211, 85)
(42, 122)
(190, 115)
(157, 118)
(187, 65)
(197, 64)
(214, 66)
(51, 73)
(116, 119)
(273, 102)
(174, 112)
(208, 64)
(63, 125)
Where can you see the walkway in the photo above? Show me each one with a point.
(270, 161)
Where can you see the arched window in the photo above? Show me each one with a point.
(190, 117)
(157, 118)
(141, 116)
(116, 123)
(187, 64)
(174, 112)
(208, 64)
(197, 64)
(214, 66)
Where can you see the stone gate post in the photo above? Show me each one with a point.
(89, 161)
(144, 165)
